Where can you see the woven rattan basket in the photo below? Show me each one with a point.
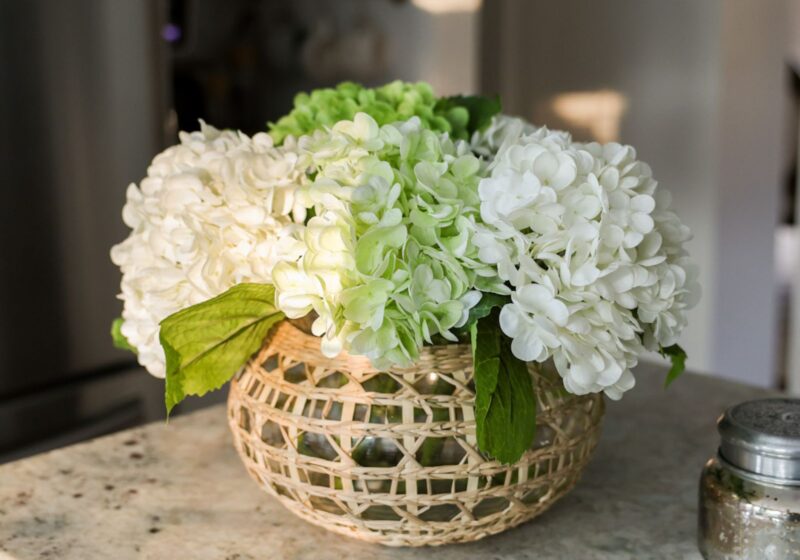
(391, 457)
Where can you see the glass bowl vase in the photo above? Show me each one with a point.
(391, 457)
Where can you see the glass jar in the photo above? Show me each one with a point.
(750, 492)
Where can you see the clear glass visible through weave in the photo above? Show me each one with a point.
(391, 457)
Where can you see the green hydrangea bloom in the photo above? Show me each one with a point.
(396, 101)
(390, 262)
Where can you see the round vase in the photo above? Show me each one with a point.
(391, 457)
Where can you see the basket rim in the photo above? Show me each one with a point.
(293, 340)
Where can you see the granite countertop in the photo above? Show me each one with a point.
(180, 491)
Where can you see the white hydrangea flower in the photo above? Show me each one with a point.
(213, 211)
(505, 129)
(590, 249)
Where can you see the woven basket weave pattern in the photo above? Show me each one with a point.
(391, 457)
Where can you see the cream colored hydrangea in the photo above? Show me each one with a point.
(214, 211)
(591, 251)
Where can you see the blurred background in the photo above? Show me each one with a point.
(90, 90)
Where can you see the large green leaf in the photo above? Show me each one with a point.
(677, 356)
(505, 405)
(119, 339)
(206, 344)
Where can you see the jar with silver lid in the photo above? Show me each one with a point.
(750, 492)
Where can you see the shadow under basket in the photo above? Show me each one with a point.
(391, 457)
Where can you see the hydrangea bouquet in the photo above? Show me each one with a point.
(395, 219)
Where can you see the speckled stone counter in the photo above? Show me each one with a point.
(179, 491)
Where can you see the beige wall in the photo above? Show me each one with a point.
(749, 174)
(440, 48)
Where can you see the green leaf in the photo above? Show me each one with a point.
(119, 339)
(480, 109)
(486, 304)
(505, 405)
(677, 356)
(206, 344)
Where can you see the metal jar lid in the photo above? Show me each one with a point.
(763, 437)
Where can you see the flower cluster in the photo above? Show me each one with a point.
(389, 261)
(396, 101)
(369, 209)
(591, 251)
(213, 211)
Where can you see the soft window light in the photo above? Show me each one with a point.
(598, 111)
(448, 6)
